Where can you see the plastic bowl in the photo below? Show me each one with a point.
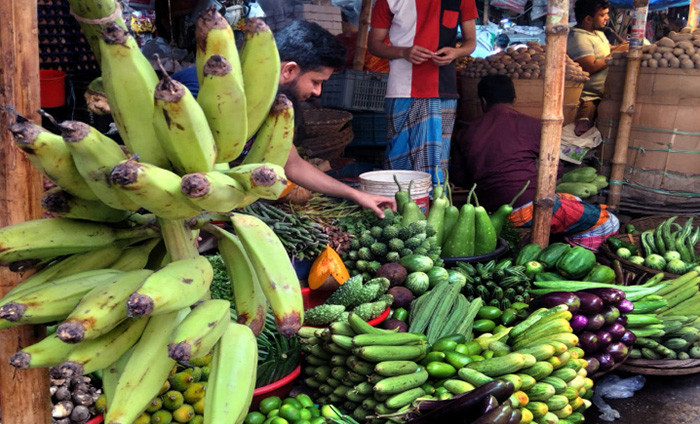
(313, 298)
(280, 388)
(501, 249)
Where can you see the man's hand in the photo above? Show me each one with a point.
(445, 56)
(375, 202)
(417, 54)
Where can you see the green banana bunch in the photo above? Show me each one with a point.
(274, 270)
(111, 374)
(96, 14)
(173, 287)
(29, 239)
(146, 369)
(233, 370)
(223, 101)
(56, 299)
(260, 66)
(274, 139)
(264, 180)
(182, 128)
(129, 79)
(102, 309)
(249, 300)
(61, 202)
(49, 352)
(101, 352)
(136, 257)
(153, 188)
(95, 155)
(49, 154)
(213, 35)
(213, 191)
(200, 330)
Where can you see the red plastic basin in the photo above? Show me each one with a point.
(279, 388)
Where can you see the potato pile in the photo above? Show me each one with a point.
(677, 50)
(523, 62)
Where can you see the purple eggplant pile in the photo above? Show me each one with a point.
(599, 319)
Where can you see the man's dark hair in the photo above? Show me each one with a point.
(496, 88)
(501, 41)
(584, 8)
(310, 46)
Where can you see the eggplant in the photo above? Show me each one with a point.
(590, 303)
(628, 338)
(625, 305)
(515, 416)
(615, 329)
(500, 415)
(618, 351)
(604, 339)
(593, 365)
(578, 323)
(606, 361)
(595, 322)
(609, 295)
(610, 314)
(555, 298)
(490, 403)
(622, 320)
(588, 341)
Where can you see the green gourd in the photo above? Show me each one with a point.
(460, 239)
(485, 238)
(499, 217)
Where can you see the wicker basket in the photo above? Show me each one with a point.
(653, 221)
(328, 146)
(661, 366)
(323, 121)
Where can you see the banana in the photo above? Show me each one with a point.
(275, 273)
(223, 101)
(146, 370)
(260, 66)
(171, 288)
(101, 352)
(264, 180)
(213, 35)
(49, 352)
(233, 370)
(213, 191)
(55, 300)
(95, 155)
(136, 257)
(111, 374)
(62, 203)
(200, 330)
(51, 237)
(102, 309)
(274, 139)
(129, 81)
(153, 188)
(182, 128)
(49, 154)
(248, 297)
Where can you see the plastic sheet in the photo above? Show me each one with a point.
(614, 387)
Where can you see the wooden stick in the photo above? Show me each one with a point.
(358, 62)
(629, 95)
(24, 395)
(552, 119)
(486, 13)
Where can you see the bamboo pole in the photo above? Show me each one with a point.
(24, 395)
(629, 95)
(358, 61)
(693, 13)
(486, 13)
(552, 118)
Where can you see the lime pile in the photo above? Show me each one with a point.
(297, 410)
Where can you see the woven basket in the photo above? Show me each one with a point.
(661, 366)
(653, 221)
(323, 121)
(328, 146)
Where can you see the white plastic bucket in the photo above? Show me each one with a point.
(382, 182)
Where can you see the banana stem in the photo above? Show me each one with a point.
(178, 239)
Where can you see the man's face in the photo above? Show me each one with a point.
(306, 84)
(600, 19)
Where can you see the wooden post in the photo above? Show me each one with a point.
(552, 118)
(693, 13)
(358, 61)
(629, 95)
(486, 13)
(24, 395)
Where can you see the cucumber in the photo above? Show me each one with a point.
(538, 409)
(391, 339)
(558, 384)
(539, 371)
(388, 353)
(527, 381)
(457, 387)
(506, 364)
(548, 418)
(401, 383)
(557, 402)
(566, 374)
(541, 352)
(515, 379)
(570, 393)
(541, 392)
(400, 400)
(576, 403)
(563, 412)
(473, 377)
(394, 368)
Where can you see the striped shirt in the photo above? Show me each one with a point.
(427, 23)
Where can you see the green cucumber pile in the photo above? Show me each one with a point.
(582, 182)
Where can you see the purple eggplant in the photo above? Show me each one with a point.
(604, 339)
(578, 323)
(605, 359)
(615, 330)
(590, 303)
(625, 306)
(622, 320)
(610, 314)
(588, 341)
(595, 322)
(628, 338)
(609, 295)
(618, 351)
(555, 298)
(593, 365)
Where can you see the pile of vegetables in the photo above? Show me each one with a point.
(582, 182)
(298, 409)
(498, 283)
(669, 247)
(560, 261)
(72, 399)
(677, 50)
(277, 355)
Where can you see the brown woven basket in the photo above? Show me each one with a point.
(653, 221)
(323, 121)
(661, 366)
(327, 146)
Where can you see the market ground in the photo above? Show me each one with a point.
(662, 400)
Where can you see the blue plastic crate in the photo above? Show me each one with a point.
(369, 129)
(355, 90)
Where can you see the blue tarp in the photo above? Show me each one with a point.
(653, 4)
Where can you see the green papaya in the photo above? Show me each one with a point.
(585, 174)
(579, 189)
(600, 181)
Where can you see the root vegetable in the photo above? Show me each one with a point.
(62, 409)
